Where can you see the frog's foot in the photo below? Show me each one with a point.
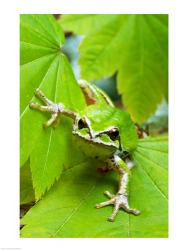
(49, 107)
(119, 201)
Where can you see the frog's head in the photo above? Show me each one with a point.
(105, 139)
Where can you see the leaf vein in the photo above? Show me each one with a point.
(152, 149)
(153, 182)
(154, 163)
(74, 210)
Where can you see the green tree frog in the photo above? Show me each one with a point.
(102, 131)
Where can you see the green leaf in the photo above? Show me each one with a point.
(151, 182)
(135, 46)
(44, 66)
(26, 188)
(81, 24)
(67, 210)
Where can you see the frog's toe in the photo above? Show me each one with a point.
(114, 213)
(108, 194)
(105, 203)
(131, 210)
(34, 105)
(119, 201)
(38, 93)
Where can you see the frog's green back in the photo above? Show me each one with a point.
(103, 117)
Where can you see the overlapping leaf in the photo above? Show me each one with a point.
(44, 66)
(26, 188)
(133, 45)
(67, 210)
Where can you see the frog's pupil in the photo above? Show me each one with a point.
(114, 135)
(82, 124)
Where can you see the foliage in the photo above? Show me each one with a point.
(67, 210)
(66, 188)
(133, 45)
(26, 188)
(44, 66)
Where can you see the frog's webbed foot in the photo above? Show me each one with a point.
(54, 108)
(119, 201)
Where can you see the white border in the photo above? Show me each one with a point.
(95, 6)
(9, 125)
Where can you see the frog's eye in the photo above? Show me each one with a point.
(82, 124)
(113, 134)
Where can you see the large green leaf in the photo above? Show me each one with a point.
(67, 210)
(133, 45)
(43, 65)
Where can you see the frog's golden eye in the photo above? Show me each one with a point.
(113, 134)
(82, 124)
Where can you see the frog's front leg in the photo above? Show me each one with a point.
(120, 200)
(56, 109)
